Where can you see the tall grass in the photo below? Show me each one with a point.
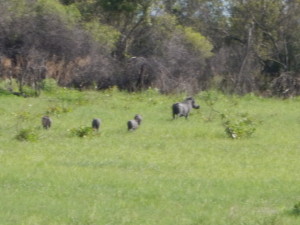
(166, 172)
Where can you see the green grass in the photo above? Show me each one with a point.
(185, 172)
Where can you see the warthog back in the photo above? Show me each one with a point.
(132, 125)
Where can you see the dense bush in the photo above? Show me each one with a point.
(296, 209)
(239, 126)
(82, 131)
(49, 85)
(27, 134)
(44, 39)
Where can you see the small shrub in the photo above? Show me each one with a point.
(27, 134)
(82, 131)
(7, 86)
(210, 98)
(29, 92)
(56, 110)
(296, 209)
(4, 92)
(239, 126)
(199, 42)
(49, 85)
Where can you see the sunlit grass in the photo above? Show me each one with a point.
(166, 172)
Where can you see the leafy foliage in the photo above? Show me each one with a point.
(69, 14)
(27, 91)
(82, 131)
(103, 34)
(49, 85)
(210, 98)
(198, 42)
(4, 92)
(296, 209)
(27, 134)
(239, 126)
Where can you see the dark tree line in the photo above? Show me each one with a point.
(238, 46)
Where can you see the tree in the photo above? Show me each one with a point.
(271, 40)
(169, 56)
(43, 39)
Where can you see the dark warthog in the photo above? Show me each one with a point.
(183, 108)
(46, 122)
(134, 124)
(96, 123)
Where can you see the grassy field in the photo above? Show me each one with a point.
(185, 172)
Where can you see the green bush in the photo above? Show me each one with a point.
(27, 134)
(29, 92)
(82, 131)
(49, 85)
(199, 42)
(296, 209)
(210, 98)
(102, 33)
(4, 92)
(239, 126)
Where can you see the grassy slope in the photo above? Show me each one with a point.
(166, 172)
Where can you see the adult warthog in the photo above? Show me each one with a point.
(46, 122)
(183, 108)
(96, 123)
(135, 123)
